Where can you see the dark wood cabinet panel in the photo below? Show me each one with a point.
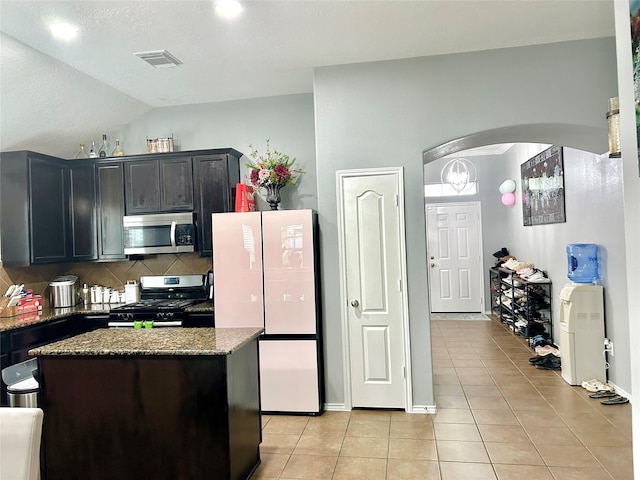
(176, 185)
(151, 417)
(110, 210)
(142, 187)
(82, 208)
(48, 212)
(159, 185)
(215, 177)
(15, 344)
(33, 208)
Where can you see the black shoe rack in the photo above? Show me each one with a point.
(525, 307)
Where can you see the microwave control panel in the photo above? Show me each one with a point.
(184, 235)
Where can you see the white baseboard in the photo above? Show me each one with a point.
(335, 407)
(621, 392)
(424, 409)
(418, 409)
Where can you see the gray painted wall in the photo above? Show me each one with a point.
(594, 214)
(386, 113)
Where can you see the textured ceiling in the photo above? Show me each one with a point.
(96, 82)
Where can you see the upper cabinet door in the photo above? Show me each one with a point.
(159, 186)
(109, 179)
(289, 271)
(176, 185)
(142, 187)
(215, 177)
(48, 211)
(82, 207)
(237, 270)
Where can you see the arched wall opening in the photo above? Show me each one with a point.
(581, 137)
(594, 214)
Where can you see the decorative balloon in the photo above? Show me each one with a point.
(508, 186)
(508, 198)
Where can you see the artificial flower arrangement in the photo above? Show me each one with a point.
(272, 168)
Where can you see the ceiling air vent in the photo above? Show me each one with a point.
(159, 59)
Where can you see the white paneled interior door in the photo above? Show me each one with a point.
(371, 237)
(237, 270)
(454, 256)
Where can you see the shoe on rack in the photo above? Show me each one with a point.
(537, 277)
(503, 252)
(512, 262)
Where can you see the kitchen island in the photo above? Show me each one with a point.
(173, 403)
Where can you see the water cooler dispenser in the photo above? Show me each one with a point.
(582, 333)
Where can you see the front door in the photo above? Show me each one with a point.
(454, 256)
(371, 236)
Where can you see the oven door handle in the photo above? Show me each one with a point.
(155, 324)
(173, 233)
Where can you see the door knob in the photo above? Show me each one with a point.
(433, 265)
(355, 303)
(432, 257)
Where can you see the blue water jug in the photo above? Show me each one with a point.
(582, 262)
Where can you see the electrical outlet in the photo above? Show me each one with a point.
(608, 346)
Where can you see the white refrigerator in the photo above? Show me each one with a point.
(265, 274)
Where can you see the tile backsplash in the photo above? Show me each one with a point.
(109, 274)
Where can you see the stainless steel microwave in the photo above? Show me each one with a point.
(159, 233)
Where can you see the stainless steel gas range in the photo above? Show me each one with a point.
(163, 300)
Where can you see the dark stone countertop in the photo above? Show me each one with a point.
(50, 314)
(150, 342)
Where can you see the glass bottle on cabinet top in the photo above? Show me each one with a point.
(117, 151)
(104, 147)
(93, 153)
(82, 153)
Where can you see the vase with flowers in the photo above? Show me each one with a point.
(272, 171)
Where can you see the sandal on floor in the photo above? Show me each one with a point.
(615, 400)
(598, 386)
(591, 382)
(603, 394)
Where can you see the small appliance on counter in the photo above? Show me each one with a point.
(63, 291)
(131, 291)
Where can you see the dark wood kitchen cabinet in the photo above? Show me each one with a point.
(48, 210)
(82, 212)
(159, 185)
(110, 210)
(151, 412)
(215, 178)
(34, 209)
(54, 210)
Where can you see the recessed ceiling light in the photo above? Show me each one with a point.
(64, 31)
(228, 8)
